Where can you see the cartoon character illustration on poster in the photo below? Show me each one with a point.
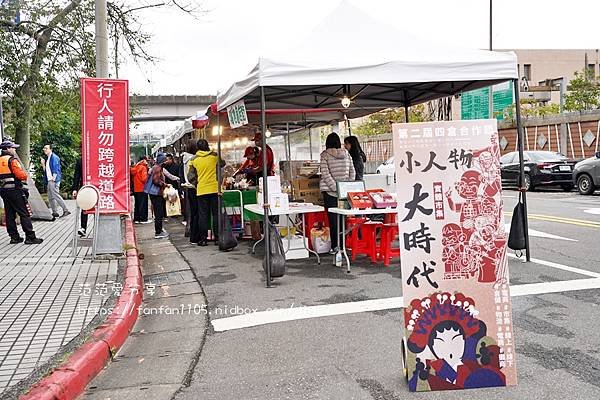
(450, 345)
(468, 189)
(483, 238)
(488, 161)
(453, 242)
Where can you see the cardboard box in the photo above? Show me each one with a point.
(313, 196)
(301, 184)
(297, 249)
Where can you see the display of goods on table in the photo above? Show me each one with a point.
(382, 199)
(360, 200)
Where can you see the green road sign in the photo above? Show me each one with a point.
(475, 104)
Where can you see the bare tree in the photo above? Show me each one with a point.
(52, 41)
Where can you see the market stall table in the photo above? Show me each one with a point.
(342, 213)
(294, 208)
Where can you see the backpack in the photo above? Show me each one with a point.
(277, 261)
(150, 187)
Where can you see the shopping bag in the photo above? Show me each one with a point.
(173, 207)
(320, 238)
(227, 240)
(516, 237)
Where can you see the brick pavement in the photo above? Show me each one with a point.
(47, 296)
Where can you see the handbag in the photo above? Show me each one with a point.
(516, 237)
(277, 264)
(227, 241)
(150, 187)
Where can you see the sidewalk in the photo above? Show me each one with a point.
(158, 358)
(47, 298)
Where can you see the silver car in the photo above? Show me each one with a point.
(586, 175)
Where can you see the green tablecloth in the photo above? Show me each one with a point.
(232, 199)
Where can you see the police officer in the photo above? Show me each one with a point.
(14, 195)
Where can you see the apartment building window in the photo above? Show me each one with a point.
(527, 71)
(591, 71)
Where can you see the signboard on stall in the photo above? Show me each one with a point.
(237, 114)
(105, 141)
(458, 318)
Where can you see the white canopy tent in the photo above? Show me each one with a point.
(351, 54)
(374, 64)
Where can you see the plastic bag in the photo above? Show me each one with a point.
(320, 239)
(227, 240)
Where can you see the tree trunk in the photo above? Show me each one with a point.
(22, 136)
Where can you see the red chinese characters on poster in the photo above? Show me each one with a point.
(458, 317)
(105, 141)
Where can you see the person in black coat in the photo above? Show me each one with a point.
(77, 184)
(358, 156)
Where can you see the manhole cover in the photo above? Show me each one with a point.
(169, 278)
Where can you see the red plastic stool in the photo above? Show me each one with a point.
(386, 249)
(390, 218)
(367, 244)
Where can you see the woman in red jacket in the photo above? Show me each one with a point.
(139, 176)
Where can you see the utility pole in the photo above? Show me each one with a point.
(101, 39)
(491, 91)
(109, 226)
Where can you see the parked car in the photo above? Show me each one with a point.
(586, 175)
(387, 168)
(542, 168)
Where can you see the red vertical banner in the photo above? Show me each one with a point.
(105, 141)
(457, 320)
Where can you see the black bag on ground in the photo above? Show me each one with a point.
(516, 237)
(277, 260)
(227, 240)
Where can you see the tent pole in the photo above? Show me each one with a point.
(265, 187)
(219, 177)
(406, 114)
(310, 142)
(289, 151)
(521, 167)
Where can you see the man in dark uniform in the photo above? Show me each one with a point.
(14, 195)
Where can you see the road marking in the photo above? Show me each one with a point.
(328, 310)
(536, 233)
(571, 221)
(560, 266)
(304, 312)
(595, 211)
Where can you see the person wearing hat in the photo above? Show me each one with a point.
(12, 176)
(258, 169)
(247, 167)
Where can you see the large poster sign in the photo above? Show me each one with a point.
(105, 141)
(458, 318)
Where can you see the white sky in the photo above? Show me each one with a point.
(206, 55)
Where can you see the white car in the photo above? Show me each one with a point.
(387, 168)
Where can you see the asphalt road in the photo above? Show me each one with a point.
(357, 355)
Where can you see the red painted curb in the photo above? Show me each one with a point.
(70, 379)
